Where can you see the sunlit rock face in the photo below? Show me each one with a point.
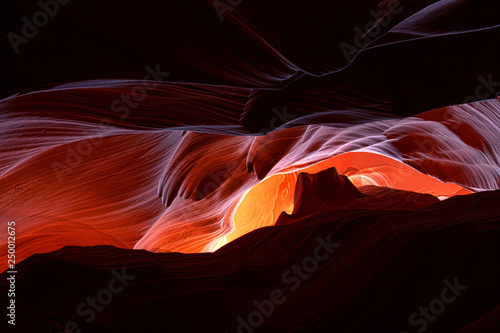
(80, 183)
(206, 152)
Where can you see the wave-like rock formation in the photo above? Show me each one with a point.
(382, 268)
(67, 184)
(206, 147)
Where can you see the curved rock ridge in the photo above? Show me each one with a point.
(320, 54)
(251, 166)
(78, 183)
(373, 257)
